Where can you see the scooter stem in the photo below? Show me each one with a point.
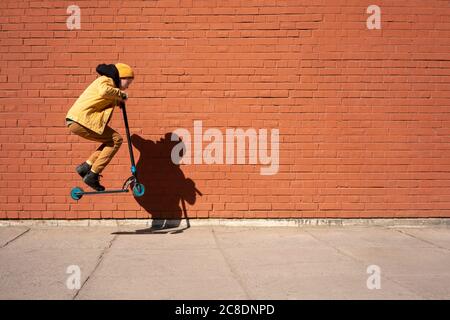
(130, 147)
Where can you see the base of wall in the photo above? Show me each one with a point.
(158, 223)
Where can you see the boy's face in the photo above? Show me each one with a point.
(125, 83)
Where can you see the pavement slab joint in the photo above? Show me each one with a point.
(15, 238)
(99, 261)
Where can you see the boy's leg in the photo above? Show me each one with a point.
(111, 142)
(105, 153)
(94, 156)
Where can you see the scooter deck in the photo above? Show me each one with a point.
(106, 191)
(77, 192)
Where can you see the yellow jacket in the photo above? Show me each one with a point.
(95, 106)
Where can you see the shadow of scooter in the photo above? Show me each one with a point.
(167, 188)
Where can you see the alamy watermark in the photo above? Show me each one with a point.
(74, 20)
(228, 148)
(73, 282)
(374, 280)
(374, 20)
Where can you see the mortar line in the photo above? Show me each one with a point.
(230, 266)
(99, 261)
(15, 238)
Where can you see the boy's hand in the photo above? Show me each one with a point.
(123, 95)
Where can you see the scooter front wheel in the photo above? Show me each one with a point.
(76, 193)
(138, 190)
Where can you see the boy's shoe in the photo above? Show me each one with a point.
(92, 180)
(83, 169)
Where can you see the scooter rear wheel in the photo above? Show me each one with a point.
(138, 190)
(76, 193)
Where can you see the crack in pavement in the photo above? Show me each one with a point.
(15, 238)
(230, 266)
(423, 240)
(99, 261)
(364, 262)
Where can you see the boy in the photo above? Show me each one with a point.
(90, 114)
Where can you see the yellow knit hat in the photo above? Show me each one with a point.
(125, 70)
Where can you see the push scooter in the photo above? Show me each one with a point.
(138, 188)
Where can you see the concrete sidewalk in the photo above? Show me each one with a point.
(131, 262)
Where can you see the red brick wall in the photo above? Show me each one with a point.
(363, 115)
